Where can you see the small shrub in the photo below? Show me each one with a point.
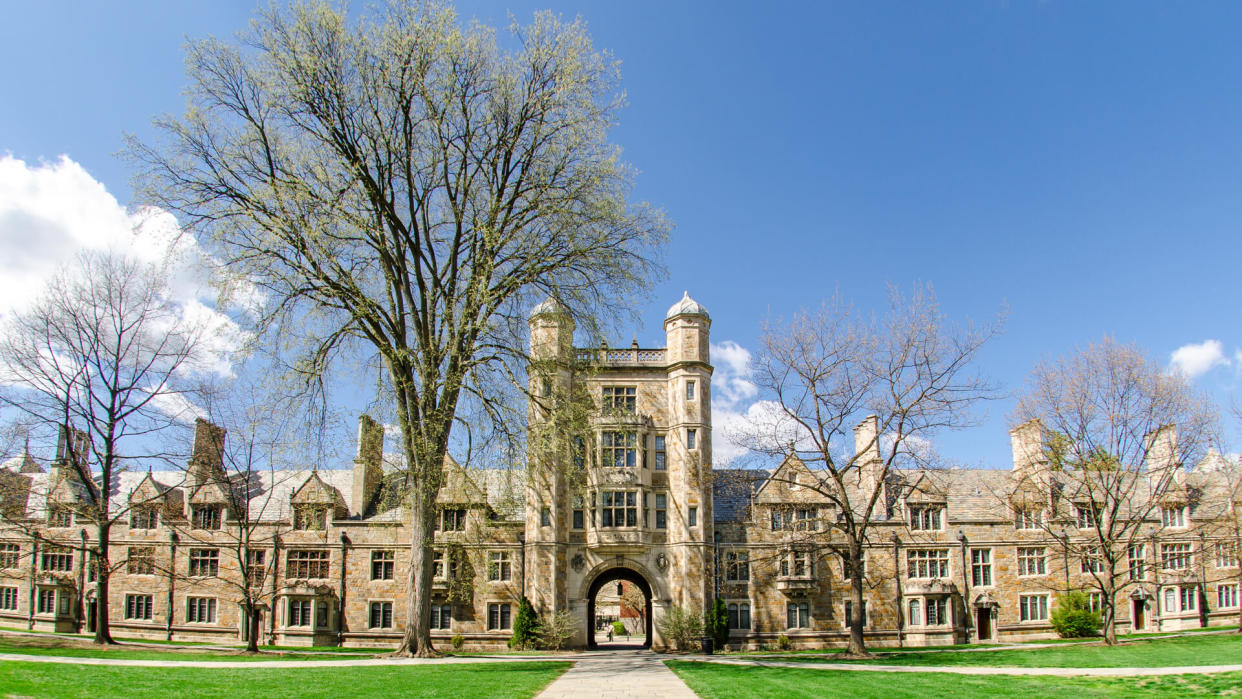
(680, 628)
(458, 641)
(524, 626)
(1072, 616)
(555, 630)
(618, 629)
(783, 643)
(717, 624)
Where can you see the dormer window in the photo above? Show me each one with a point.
(453, 519)
(926, 517)
(59, 516)
(206, 516)
(144, 517)
(1173, 517)
(620, 399)
(310, 517)
(1028, 519)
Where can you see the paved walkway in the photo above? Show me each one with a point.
(982, 670)
(618, 675)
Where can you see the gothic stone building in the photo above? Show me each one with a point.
(956, 556)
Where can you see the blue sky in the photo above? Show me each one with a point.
(1079, 163)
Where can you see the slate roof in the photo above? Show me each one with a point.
(732, 490)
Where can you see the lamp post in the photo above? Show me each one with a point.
(716, 568)
(521, 537)
(896, 539)
(961, 538)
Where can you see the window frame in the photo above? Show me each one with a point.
(618, 448)
(499, 616)
(200, 610)
(927, 518)
(383, 564)
(1028, 558)
(797, 614)
(619, 399)
(200, 557)
(1176, 555)
(928, 564)
(381, 609)
(139, 606)
(1040, 608)
(10, 555)
(140, 560)
(308, 561)
(981, 567)
(499, 566)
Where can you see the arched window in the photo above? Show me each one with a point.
(916, 613)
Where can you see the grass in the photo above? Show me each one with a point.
(80, 648)
(709, 680)
(1222, 649)
(960, 646)
(464, 681)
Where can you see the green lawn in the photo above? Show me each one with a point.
(1217, 649)
(78, 648)
(465, 681)
(710, 680)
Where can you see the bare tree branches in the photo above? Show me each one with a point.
(1122, 432)
(406, 186)
(899, 378)
(105, 355)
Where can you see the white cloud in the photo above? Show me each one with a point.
(731, 383)
(50, 212)
(1194, 360)
(178, 407)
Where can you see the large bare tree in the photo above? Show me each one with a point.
(106, 355)
(900, 378)
(394, 181)
(1121, 428)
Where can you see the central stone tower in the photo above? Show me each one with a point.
(621, 490)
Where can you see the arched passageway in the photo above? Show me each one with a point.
(615, 575)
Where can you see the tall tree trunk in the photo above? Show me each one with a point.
(857, 647)
(102, 633)
(1110, 612)
(252, 624)
(416, 639)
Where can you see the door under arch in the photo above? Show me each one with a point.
(611, 576)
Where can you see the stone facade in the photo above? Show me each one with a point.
(632, 498)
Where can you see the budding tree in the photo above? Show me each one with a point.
(901, 377)
(396, 183)
(105, 353)
(1121, 430)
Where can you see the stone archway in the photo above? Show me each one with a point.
(613, 575)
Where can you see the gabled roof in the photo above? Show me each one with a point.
(314, 491)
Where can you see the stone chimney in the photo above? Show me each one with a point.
(867, 454)
(207, 459)
(1027, 441)
(368, 465)
(1160, 450)
(72, 454)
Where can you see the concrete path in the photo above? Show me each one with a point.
(981, 670)
(618, 675)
